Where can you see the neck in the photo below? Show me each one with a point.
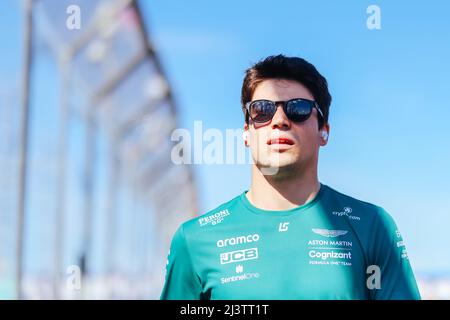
(282, 191)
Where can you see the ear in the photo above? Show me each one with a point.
(324, 134)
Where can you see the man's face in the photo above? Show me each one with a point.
(300, 147)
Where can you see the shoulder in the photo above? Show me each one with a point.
(357, 209)
(212, 218)
(373, 225)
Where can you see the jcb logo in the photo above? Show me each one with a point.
(239, 255)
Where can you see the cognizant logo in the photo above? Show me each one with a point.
(238, 240)
(329, 255)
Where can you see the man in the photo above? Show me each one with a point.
(289, 236)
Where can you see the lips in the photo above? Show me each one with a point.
(280, 141)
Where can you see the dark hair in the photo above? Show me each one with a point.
(289, 68)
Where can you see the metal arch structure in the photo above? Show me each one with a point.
(111, 63)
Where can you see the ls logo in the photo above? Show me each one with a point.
(283, 226)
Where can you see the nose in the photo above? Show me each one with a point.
(280, 120)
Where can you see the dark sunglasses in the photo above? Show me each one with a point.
(297, 110)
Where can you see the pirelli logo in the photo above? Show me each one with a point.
(239, 255)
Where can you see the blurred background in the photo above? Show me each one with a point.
(92, 90)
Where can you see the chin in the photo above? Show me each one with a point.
(280, 161)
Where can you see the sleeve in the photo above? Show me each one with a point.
(181, 281)
(389, 256)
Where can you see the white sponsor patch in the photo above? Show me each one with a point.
(245, 276)
(330, 233)
(213, 219)
(237, 240)
(239, 255)
(346, 212)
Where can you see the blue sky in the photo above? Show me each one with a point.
(389, 141)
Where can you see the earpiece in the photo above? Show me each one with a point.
(324, 135)
(245, 137)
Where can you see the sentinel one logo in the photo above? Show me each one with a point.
(239, 255)
(245, 276)
(238, 240)
(214, 218)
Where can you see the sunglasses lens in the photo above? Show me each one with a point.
(262, 111)
(299, 110)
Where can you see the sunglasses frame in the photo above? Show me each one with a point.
(247, 106)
